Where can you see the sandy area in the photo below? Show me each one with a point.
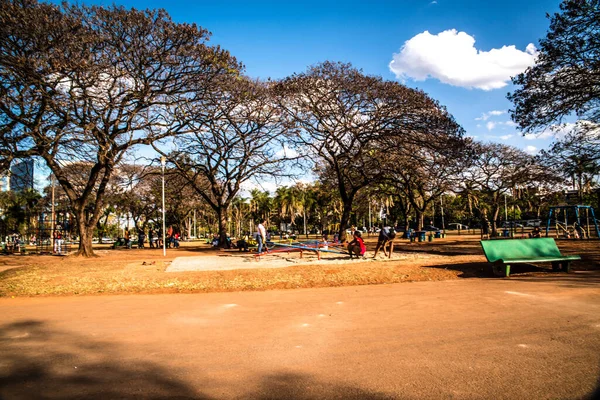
(237, 260)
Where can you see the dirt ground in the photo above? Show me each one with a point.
(144, 270)
(528, 337)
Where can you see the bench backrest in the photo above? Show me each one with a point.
(519, 248)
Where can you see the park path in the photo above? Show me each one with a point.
(529, 337)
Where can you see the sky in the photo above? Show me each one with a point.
(461, 52)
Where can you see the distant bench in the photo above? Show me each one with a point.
(503, 253)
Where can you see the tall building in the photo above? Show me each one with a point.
(21, 176)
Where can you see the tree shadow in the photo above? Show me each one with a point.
(303, 387)
(526, 273)
(441, 250)
(39, 362)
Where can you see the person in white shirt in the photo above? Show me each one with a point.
(261, 238)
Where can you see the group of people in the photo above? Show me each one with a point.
(356, 246)
(12, 243)
(154, 238)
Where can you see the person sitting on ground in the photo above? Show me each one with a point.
(336, 238)
(536, 233)
(357, 246)
(242, 243)
(215, 241)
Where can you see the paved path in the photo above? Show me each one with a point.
(533, 338)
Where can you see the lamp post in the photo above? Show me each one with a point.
(442, 211)
(163, 161)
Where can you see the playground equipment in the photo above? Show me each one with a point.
(53, 236)
(314, 246)
(568, 221)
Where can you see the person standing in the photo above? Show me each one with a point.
(169, 236)
(141, 238)
(151, 238)
(261, 238)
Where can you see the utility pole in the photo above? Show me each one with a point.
(163, 161)
(442, 211)
(52, 217)
(370, 223)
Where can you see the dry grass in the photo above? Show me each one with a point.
(123, 272)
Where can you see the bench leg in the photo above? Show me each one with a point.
(556, 266)
(501, 270)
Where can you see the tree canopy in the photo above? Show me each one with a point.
(86, 84)
(566, 76)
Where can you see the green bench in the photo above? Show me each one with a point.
(503, 253)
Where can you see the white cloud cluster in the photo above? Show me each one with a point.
(452, 58)
(554, 131)
(531, 150)
(486, 115)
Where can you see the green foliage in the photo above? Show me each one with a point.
(565, 78)
(16, 211)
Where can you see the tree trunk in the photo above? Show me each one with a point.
(86, 232)
(347, 210)
(419, 215)
(304, 214)
(222, 216)
(495, 212)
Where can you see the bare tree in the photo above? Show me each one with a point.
(576, 157)
(90, 83)
(239, 136)
(495, 173)
(348, 122)
(421, 174)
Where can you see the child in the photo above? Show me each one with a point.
(357, 246)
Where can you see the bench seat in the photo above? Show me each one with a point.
(502, 253)
(540, 259)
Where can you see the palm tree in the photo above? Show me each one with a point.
(260, 204)
(289, 200)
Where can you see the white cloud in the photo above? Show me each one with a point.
(247, 186)
(555, 131)
(505, 137)
(531, 150)
(452, 58)
(510, 123)
(287, 152)
(486, 115)
(490, 125)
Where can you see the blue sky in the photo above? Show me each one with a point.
(452, 49)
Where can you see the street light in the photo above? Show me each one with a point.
(163, 161)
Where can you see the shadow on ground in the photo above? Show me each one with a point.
(38, 362)
(527, 273)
